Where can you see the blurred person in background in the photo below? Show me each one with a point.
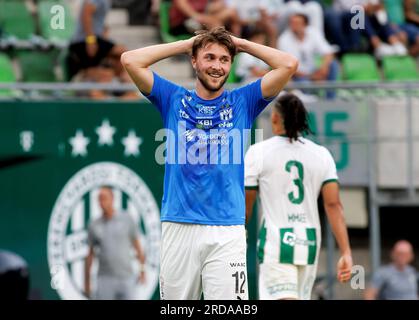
(308, 45)
(338, 28)
(188, 16)
(290, 172)
(405, 15)
(408, 31)
(257, 14)
(312, 9)
(111, 239)
(411, 11)
(397, 280)
(91, 55)
(383, 39)
(249, 68)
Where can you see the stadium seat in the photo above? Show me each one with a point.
(6, 74)
(16, 20)
(165, 24)
(37, 66)
(359, 67)
(47, 31)
(399, 68)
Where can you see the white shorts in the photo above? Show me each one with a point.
(286, 281)
(198, 259)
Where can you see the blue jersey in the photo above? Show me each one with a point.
(204, 169)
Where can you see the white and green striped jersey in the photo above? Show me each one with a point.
(289, 177)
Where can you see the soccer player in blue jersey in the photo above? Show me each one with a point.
(203, 247)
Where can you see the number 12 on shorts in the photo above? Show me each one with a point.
(240, 277)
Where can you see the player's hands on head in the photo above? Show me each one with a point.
(238, 42)
(189, 44)
(344, 268)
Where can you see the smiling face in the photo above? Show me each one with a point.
(212, 65)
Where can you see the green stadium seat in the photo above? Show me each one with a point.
(46, 30)
(165, 24)
(7, 74)
(359, 67)
(37, 66)
(6, 69)
(16, 20)
(400, 68)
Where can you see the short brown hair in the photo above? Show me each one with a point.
(217, 35)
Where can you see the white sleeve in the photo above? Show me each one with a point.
(245, 63)
(287, 43)
(242, 65)
(330, 172)
(321, 45)
(252, 168)
(283, 42)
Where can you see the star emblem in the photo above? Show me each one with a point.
(79, 144)
(105, 133)
(132, 144)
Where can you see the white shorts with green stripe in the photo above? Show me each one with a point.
(206, 259)
(286, 281)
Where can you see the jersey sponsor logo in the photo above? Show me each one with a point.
(183, 114)
(226, 114)
(225, 125)
(291, 239)
(189, 135)
(206, 109)
(285, 287)
(203, 118)
(77, 205)
(184, 103)
(204, 124)
(213, 138)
